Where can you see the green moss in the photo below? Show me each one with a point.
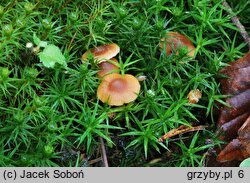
(52, 117)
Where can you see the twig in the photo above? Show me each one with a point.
(236, 21)
(180, 130)
(71, 41)
(95, 161)
(104, 154)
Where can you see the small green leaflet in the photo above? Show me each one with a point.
(36, 39)
(51, 55)
(38, 42)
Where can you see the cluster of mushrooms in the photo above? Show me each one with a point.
(115, 89)
(234, 121)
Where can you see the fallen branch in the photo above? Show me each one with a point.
(104, 154)
(237, 22)
(94, 161)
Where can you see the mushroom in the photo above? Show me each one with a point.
(116, 90)
(103, 52)
(194, 96)
(107, 67)
(175, 40)
(141, 78)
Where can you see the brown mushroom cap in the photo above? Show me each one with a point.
(103, 52)
(117, 90)
(176, 40)
(106, 67)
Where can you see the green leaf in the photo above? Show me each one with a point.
(245, 163)
(43, 44)
(51, 55)
(36, 39)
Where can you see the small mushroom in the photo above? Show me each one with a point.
(194, 96)
(141, 78)
(103, 52)
(175, 40)
(107, 67)
(116, 90)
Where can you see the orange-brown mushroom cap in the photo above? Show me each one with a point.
(176, 40)
(103, 52)
(117, 90)
(107, 67)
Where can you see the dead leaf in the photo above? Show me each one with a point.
(234, 121)
(238, 64)
(230, 129)
(237, 149)
(245, 129)
(239, 104)
(238, 80)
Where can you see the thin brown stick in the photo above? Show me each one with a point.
(95, 160)
(237, 22)
(180, 130)
(71, 41)
(104, 154)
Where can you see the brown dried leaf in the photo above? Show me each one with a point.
(230, 128)
(238, 64)
(239, 104)
(235, 120)
(238, 80)
(244, 131)
(237, 149)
